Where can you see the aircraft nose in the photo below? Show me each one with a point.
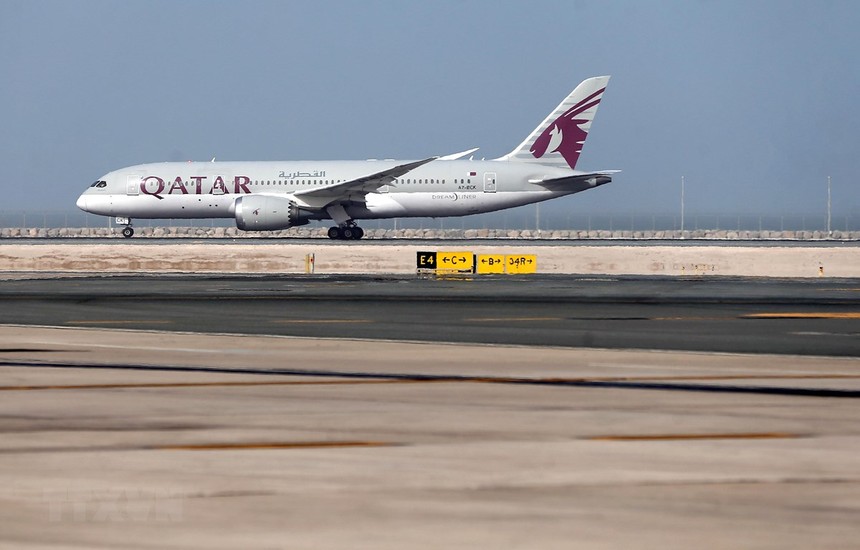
(82, 203)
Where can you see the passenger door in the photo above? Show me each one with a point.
(489, 182)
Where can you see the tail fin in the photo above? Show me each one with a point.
(559, 138)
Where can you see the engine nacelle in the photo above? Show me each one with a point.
(267, 213)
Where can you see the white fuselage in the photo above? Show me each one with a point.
(266, 196)
(208, 189)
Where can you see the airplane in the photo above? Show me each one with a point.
(274, 195)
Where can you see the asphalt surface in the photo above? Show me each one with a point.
(146, 439)
(169, 437)
(803, 317)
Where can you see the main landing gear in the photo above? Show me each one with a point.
(346, 228)
(347, 232)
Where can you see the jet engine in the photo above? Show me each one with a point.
(267, 213)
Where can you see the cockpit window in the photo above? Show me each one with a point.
(99, 183)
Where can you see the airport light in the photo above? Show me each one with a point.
(682, 206)
(829, 231)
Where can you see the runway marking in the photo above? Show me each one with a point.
(164, 348)
(839, 289)
(251, 445)
(648, 384)
(320, 321)
(475, 379)
(271, 445)
(688, 437)
(506, 319)
(35, 350)
(804, 315)
(121, 322)
(658, 378)
(809, 333)
(723, 318)
(144, 385)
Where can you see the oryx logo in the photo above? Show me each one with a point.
(565, 135)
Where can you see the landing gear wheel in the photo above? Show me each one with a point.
(128, 232)
(345, 233)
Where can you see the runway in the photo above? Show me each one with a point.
(735, 315)
(400, 412)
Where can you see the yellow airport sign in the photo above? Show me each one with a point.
(426, 260)
(521, 263)
(490, 263)
(457, 262)
(461, 261)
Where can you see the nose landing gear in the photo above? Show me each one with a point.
(128, 231)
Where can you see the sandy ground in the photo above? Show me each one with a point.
(772, 261)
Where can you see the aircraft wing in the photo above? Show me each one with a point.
(459, 155)
(320, 197)
(576, 182)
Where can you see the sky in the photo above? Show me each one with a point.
(755, 103)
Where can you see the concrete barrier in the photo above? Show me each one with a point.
(281, 257)
(472, 234)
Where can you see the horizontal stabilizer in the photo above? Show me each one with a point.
(577, 182)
